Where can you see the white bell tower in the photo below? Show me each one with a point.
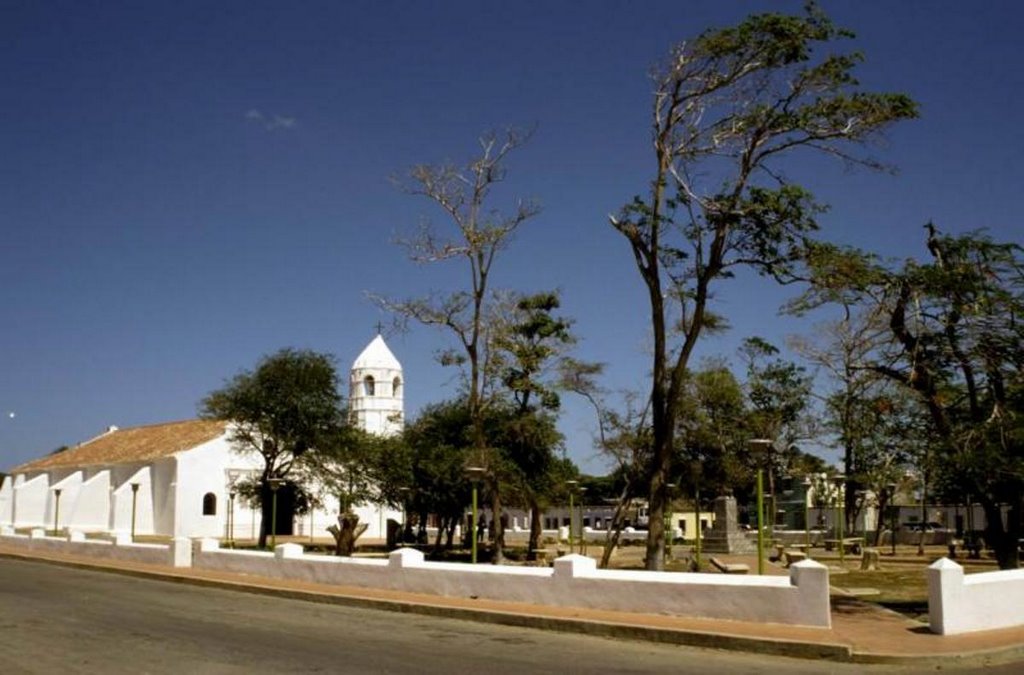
(376, 387)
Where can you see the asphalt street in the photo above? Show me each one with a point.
(61, 620)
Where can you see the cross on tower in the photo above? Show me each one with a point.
(380, 328)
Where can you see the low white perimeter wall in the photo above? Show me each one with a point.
(177, 554)
(800, 599)
(959, 603)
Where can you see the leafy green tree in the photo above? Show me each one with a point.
(288, 406)
(528, 351)
(779, 392)
(955, 340)
(713, 430)
(431, 463)
(343, 466)
(729, 107)
(877, 425)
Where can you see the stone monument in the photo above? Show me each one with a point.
(725, 535)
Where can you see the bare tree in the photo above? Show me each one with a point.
(475, 233)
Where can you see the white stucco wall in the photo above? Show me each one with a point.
(162, 496)
(121, 499)
(176, 554)
(70, 486)
(959, 603)
(205, 469)
(30, 497)
(801, 599)
(91, 509)
(6, 499)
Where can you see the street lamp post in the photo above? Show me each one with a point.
(840, 481)
(695, 470)
(760, 446)
(474, 473)
(405, 515)
(892, 517)
(924, 511)
(807, 514)
(572, 511)
(56, 509)
(231, 517)
(275, 485)
(135, 499)
(582, 542)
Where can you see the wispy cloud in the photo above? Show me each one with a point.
(270, 122)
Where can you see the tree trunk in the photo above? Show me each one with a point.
(535, 529)
(345, 533)
(437, 540)
(1003, 541)
(266, 505)
(450, 531)
(498, 553)
(655, 554)
(883, 503)
(612, 538)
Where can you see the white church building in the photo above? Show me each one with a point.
(177, 479)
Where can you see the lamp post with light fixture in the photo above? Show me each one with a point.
(572, 510)
(760, 446)
(275, 485)
(56, 510)
(135, 499)
(892, 517)
(807, 514)
(474, 474)
(840, 482)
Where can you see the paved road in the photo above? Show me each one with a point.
(56, 619)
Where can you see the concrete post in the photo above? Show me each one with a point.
(288, 551)
(573, 566)
(811, 580)
(405, 557)
(180, 552)
(945, 597)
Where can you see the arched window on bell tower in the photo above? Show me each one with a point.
(368, 385)
(396, 387)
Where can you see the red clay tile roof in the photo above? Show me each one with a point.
(138, 444)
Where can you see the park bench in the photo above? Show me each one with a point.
(850, 544)
(794, 556)
(729, 568)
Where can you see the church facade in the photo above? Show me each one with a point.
(178, 479)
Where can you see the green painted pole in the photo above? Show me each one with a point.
(807, 524)
(760, 522)
(472, 526)
(572, 520)
(841, 547)
(273, 521)
(697, 506)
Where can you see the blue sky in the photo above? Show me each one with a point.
(187, 186)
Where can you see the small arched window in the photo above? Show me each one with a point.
(368, 385)
(396, 387)
(209, 504)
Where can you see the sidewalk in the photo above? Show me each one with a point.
(861, 632)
